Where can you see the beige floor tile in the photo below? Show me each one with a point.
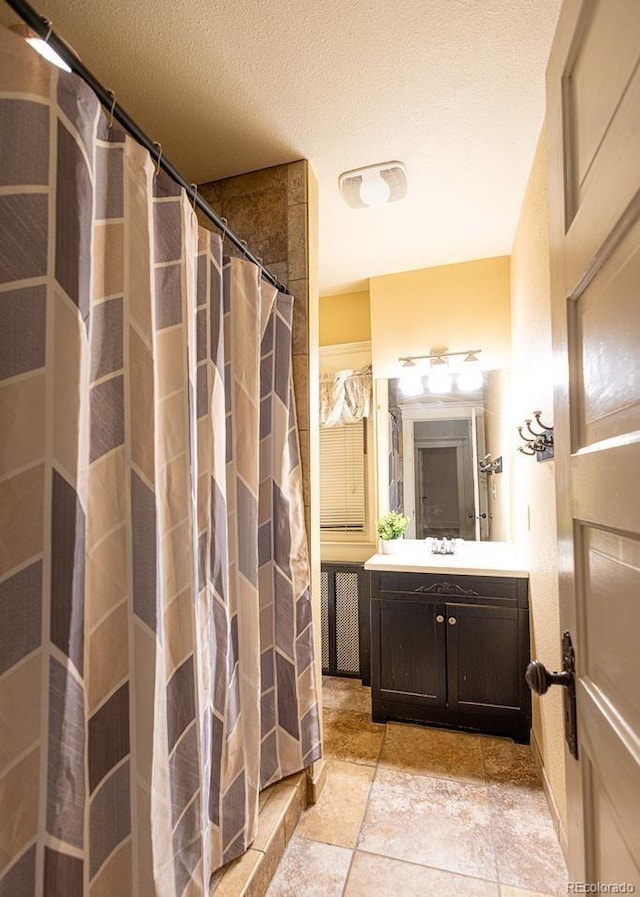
(447, 813)
(376, 876)
(508, 762)
(527, 851)
(351, 736)
(310, 869)
(346, 694)
(433, 822)
(337, 817)
(508, 891)
(433, 752)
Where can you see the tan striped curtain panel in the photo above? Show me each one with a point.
(156, 654)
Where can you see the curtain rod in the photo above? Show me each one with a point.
(43, 29)
(361, 372)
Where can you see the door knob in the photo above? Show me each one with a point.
(452, 621)
(539, 679)
(439, 619)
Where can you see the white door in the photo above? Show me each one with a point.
(593, 105)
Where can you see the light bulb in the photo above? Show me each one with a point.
(470, 380)
(47, 52)
(411, 384)
(374, 190)
(439, 381)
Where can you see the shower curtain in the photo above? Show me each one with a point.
(156, 653)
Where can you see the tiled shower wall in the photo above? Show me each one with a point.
(271, 210)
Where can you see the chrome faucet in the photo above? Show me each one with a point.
(443, 546)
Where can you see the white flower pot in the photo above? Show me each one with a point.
(391, 546)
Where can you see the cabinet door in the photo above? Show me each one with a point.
(483, 658)
(411, 651)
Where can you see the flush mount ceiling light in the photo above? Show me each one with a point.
(40, 46)
(373, 185)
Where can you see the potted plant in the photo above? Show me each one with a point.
(391, 529)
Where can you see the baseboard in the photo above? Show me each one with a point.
(548, 793)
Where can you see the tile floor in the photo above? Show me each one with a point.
(410, 811)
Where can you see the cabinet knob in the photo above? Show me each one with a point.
(452, 621)
(439, 618)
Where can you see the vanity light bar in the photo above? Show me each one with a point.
(408, 360)
(439, 377)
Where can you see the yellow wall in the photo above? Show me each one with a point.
(534, 484)
(451, 307)
(345, 319)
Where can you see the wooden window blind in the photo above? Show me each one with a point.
(343, 478)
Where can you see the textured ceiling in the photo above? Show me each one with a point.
(453, 88)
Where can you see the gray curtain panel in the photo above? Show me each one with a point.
(156, 652)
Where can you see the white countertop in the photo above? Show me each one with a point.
(470, 559)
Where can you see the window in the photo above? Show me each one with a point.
(343, 478)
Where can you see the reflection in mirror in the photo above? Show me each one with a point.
(448, 469)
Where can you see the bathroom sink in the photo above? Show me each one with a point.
(481, 558)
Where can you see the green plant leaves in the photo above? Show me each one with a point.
(392, 525)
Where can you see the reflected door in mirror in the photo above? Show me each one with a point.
(444, 490)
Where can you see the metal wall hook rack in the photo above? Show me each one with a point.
(538, 443)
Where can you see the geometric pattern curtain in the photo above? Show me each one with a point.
(156, 659)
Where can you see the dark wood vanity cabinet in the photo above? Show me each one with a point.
(405, 631)
(451, 651)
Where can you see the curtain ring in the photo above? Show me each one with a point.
(225, 225)
(49, 25)
(113, 106)
(158, 146)
(195, 196)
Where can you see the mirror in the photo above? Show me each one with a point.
(448, 461)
